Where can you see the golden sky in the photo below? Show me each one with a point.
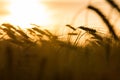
(55, 13)
(64, 0)
(3, 7)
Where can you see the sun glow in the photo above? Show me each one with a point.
(26, 12)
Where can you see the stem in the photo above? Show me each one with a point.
(109, 26)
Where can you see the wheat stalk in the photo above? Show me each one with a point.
(109, 26)
(73, 34)
(91, 31)
(9, 26)
(113, 4)
(71, 27)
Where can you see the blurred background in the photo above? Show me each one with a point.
(55, 14)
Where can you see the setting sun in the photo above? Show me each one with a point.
(24, 13)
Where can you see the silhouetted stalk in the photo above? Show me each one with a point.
(87, 54)
(42, 68)
(113, 4)
(78, 37)
(10, 33)
(74, 34)
(69, 36)
(92, 32)
(40, 31)
(9, 56)
(9, 26)
(108, 50)
(110, 27)
(71, 27)
(51, 36)
(23, 34)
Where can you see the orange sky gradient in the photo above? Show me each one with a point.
(55, 15)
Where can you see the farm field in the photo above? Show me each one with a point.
(39, 54)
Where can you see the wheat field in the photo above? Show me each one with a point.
(36, 54)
